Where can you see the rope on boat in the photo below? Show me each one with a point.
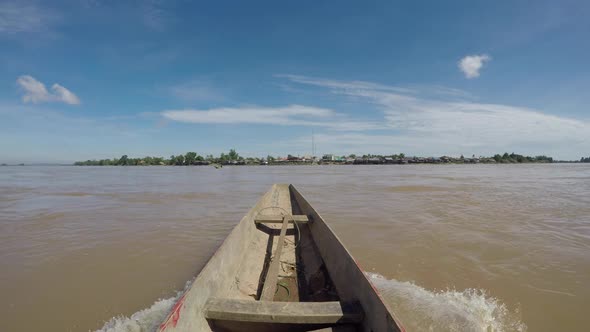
(285, 287)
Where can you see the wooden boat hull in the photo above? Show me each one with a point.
(313, 268)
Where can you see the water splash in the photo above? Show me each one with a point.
(418, 308)
(470, 310)
(146, 320)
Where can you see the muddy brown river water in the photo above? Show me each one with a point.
(451, 247)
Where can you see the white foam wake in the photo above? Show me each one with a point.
(418, 308)
(470, 310)
(146, 320)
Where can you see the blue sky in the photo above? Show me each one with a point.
(98, 79)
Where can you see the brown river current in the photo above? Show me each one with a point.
(451, 248)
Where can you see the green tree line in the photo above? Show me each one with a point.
(518, 158)
(232, 157)
(187, 159)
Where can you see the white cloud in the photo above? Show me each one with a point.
(292, 115)
(20, 16)
(420, 120)
(279, 115)
(422, 125)
(35, 92)
(65, 95)
(472, 64)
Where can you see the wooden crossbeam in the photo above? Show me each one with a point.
(270, 282)
(283, 312)
(278, 219)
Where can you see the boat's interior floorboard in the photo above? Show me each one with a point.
(302, 275)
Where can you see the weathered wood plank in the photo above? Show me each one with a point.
(278, 219)
(270, 282)
(283, 312)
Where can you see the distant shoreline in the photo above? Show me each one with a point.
(292, 164)
(234, 159)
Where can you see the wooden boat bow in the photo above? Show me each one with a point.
(281, 269)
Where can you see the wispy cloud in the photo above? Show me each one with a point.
(424, 120)
(431, 125)
(279, 115)
(292, 115)
(350, 87)
(22, 16)
(343, 85)
(36, 92)
(471, 65)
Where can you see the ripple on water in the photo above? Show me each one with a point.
(414, 189)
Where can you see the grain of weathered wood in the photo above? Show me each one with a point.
(270, 282)
(278, 219)
(283, 312)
